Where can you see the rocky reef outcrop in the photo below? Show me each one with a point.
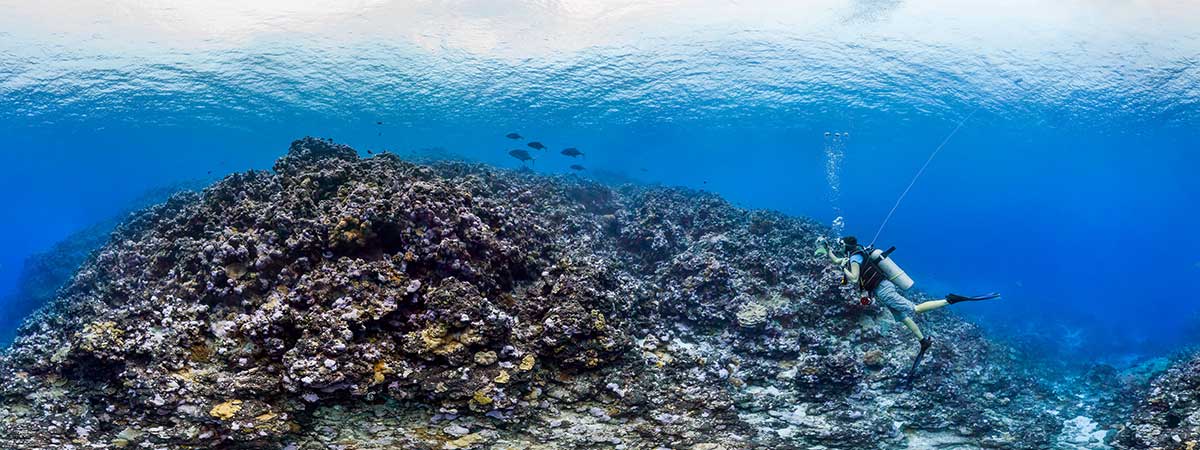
(339, 302)
(1167, 417)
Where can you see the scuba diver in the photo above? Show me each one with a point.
(881, 279)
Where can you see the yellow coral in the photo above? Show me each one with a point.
(101, 335)
(381, 369)
(481, 398)
(200, 353)
(226, 410)
(451, 346)
(470, 337)
(433, 339)
(527, 363)
(598, 320)
(350, 230)
(502, 378)
(185, 375)
(463, 442)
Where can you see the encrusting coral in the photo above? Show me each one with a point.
(396, 305)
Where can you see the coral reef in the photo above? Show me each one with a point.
(1168, 414)
(340, 302)
(44, 273)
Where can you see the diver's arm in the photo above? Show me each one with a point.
(836, 260)
(851, 272)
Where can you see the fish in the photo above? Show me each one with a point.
(521, 155)
(370, 152)
(379, 123)
(513, 136)
(572, 152)
(576, 167)
(536, 145)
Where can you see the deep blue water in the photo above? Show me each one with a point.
(1070, 188)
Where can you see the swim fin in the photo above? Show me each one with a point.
(912, 372)
(955, 298)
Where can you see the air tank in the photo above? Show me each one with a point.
(889, 268)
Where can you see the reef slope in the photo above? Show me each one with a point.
(339, 302)
(1168, 414)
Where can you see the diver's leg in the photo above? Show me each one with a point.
(931, 305)
(912, 325)
(952, 299)
(902, 308)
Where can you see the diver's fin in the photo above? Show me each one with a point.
(955, 298)
(925, 344)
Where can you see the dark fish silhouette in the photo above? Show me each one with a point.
(370, 152)
(378, 123)
(572, 152)
(576, 167)
(536, 145)
(513, 136)
(521, 155)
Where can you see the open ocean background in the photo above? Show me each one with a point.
(1071, 186)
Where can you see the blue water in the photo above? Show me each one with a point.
(1070, 186)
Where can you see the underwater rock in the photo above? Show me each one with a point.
(1168, 414)
(396, 305)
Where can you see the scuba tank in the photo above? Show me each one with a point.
(893, 272)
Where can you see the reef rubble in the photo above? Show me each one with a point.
(338, 302)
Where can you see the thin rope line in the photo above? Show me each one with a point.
(919, 173)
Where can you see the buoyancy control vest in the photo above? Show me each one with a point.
(876, 267)
(869, 275)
